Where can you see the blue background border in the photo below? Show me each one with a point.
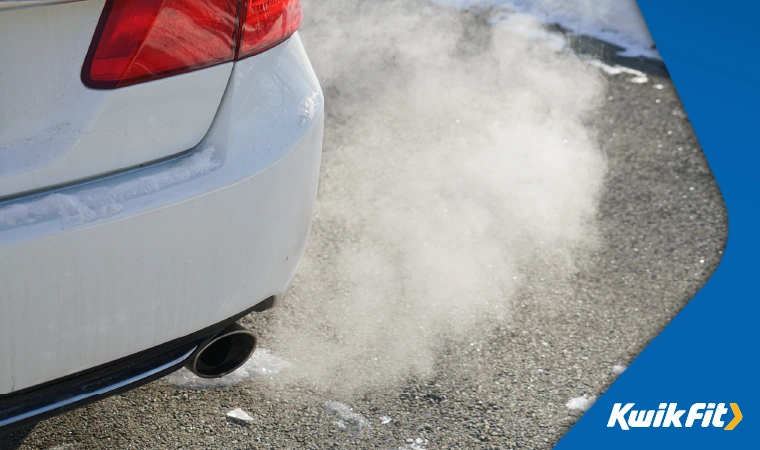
(709, 352)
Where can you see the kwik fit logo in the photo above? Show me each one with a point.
(668, 415)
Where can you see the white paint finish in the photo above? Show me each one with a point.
(17, 4)
(54, 130)
(176, 259)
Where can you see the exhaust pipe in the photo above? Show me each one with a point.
(229, 350)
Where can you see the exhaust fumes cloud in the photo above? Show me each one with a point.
(457, 165)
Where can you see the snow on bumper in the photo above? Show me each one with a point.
(98, 271)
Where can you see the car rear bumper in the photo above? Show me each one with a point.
(98, 271)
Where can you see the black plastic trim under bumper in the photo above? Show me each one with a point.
(30, 405)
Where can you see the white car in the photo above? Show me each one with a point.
(158, 167)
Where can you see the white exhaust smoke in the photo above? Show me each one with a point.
(457, 165)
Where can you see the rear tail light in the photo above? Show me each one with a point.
(266, 23)
(143, 40)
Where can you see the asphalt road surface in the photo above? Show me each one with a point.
(663, 226)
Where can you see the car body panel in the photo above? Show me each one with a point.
(18, 4)
(55, 131)
(130, 261)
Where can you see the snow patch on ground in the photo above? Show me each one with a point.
(638, 76)
(618, 369)
(261, 364)
(417, 444)
(346, 418)
(385, 420)
(91, 204)
(581, 403)
(240, 415)
(618, 22)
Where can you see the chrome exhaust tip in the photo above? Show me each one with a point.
(229, 350)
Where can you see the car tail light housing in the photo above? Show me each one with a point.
(144, 40)
(266, 23)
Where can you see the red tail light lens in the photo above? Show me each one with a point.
(142, 40)
(266, 23)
